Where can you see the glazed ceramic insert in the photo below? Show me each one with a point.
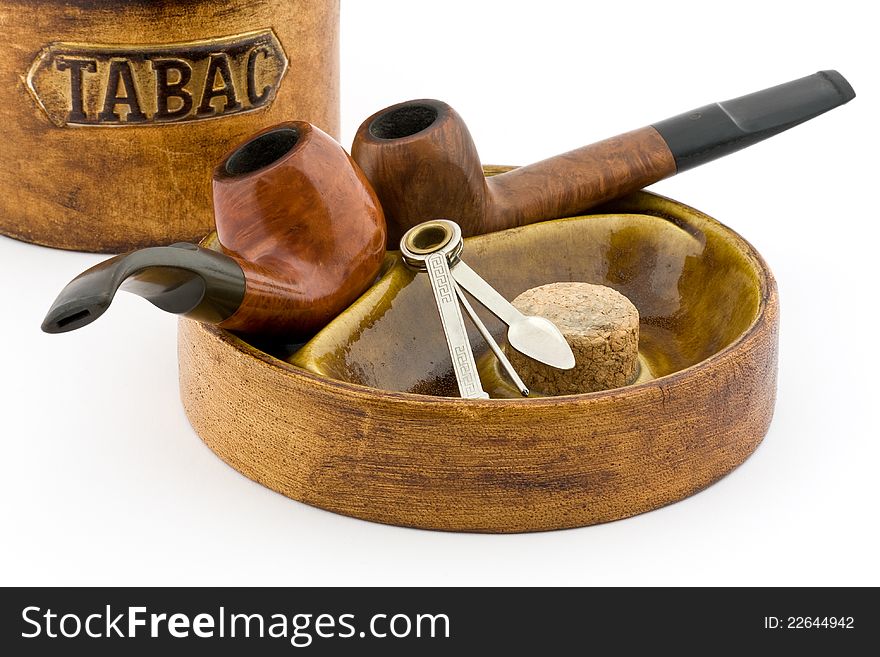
(693, 289)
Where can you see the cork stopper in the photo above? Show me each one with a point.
(600, 324)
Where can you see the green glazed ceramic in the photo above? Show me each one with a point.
(695, 288)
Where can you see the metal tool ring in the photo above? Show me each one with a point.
(437, 236)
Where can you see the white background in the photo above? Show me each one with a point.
(104, 482)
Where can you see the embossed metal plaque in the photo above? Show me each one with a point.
(80, 84)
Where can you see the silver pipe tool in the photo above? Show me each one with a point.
(435, 247)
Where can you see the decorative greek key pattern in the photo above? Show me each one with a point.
(469, 384)
(442, 278)
(453, 326)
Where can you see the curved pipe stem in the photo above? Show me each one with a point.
(183, 279)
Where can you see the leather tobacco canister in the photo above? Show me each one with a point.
(117, 110)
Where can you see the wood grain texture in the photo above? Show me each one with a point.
(306, 229)
(571, 183)
(423, 164)
(112, 189)
(484, 466)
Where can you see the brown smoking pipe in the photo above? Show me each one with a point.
(301, 234)
(423, 164)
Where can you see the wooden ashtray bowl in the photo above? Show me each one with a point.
(356, 420)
